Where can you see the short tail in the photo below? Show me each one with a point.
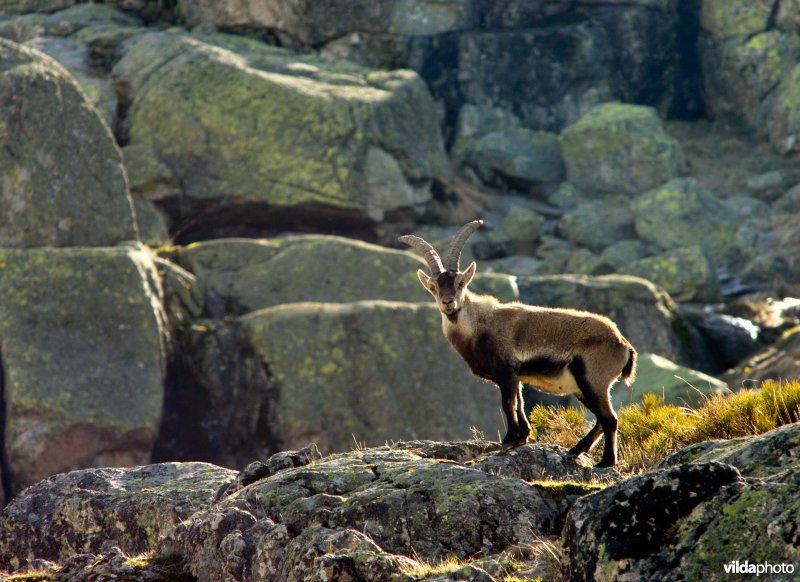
(629, 371)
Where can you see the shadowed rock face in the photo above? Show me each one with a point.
(700, 509)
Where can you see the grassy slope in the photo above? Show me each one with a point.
(650, 431)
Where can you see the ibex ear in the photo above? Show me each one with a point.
(424, 279)
(468, 274)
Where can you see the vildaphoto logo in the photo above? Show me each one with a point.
(757, 568)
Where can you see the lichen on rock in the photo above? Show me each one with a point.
(618, 148)
(64, 185)
(367, 371)
(82, 333)
(239, 121)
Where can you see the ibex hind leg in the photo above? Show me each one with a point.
(590, 440)
(595, 396)
(524, 427)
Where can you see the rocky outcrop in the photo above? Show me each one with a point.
(64, 185)
(84, 511)
(777, 265)
(82, 345)
(702, 509)
(780, 360)
(748, 51)
(319, 23)
(392, 512)
(388, 512)
(229, 350)
(685, 273)
(75, 56)
(373, 148)
(547, 62)
(366, 509)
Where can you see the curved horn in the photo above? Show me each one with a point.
(457, 245)
(427, 251)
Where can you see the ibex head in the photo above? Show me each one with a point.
(446, 282)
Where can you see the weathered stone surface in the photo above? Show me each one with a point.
(611, 532)
(148, 176)
(778, 361)
(521, 225)
(644, 314)
(23, 6)
(390, 512)
(82, 335)
(316, 23)
(620, 149)
(748, 52)
(59, 188)
(597, 225)
(685, 273)
(541, 462)
(258, 470)
(397, 501)
(548, 62)
(624, 252)
(253, 274)
(682, 214)
(518, 157)
(783, 121)
(545, 94)
(366, 372)
(729, 340)
(776, 265)
(768, 455)
(151, 223)
(294, 131)
(728, 18)
(95, 19)
(709, 502)
(76, 58)
(85, 511)
(678, 385)
(751, 68)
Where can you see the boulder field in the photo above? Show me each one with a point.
(199, 273)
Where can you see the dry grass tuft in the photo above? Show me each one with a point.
(652, 430)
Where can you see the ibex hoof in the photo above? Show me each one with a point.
(507, 445)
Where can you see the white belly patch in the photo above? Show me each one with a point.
(562, 384)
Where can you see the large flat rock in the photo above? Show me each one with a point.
(83, 356)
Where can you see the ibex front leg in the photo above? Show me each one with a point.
(511, 394)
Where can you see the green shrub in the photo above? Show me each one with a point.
(652, 430)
